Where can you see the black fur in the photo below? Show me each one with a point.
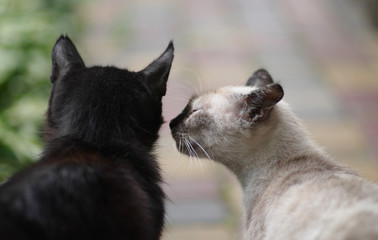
(97, 177)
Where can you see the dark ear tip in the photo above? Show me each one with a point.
(260, 78)
(261, 70)
(64, 57)
(278, 90)
(167, 56)
(170, 45)
(277, 86)
(62, 38)
(262, 73)
(170, 49)
(62, 42)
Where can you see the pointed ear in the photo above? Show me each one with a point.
(261, 101)
(260, 78)
(158, 71)
(64, 57)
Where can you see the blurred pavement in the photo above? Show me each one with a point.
(324, 53)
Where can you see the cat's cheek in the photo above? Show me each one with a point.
(205, 121)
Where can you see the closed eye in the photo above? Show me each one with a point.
(194, 110)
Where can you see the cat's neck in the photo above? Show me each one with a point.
(286, 139)
(256, 166)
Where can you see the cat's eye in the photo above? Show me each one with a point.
(194, 110)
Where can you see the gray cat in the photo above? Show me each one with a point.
(291, 188)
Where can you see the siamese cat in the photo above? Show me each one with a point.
(97, 177)
(291, 188)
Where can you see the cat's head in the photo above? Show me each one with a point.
(225, 121)
(105, 105)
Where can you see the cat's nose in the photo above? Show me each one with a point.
(173, 123)
(176, 121)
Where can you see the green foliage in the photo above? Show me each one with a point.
(28, 30)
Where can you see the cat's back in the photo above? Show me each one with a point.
(316, 198)
(75, 192)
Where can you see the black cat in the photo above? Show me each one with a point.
(97, 177)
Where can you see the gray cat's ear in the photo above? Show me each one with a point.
(158, 71)
(64, 58)
(260, 78)
(261, 101)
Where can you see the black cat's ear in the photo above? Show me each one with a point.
(158, 71)
(64, 58)
(261, 101)
(260, 78)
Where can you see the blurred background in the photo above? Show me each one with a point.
(324, 53)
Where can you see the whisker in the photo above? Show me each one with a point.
(178, 152)
(188, 80)
(197, 76)
(203, 150)
(189, 151)
(180, 145)
(188, 85)
(193, 150)
(183, 87)
(195, 154)
(182, 99)
(189, 147)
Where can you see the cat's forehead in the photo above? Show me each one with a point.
(238, 90)
(221, 96)
(208, 99)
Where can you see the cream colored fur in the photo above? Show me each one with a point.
(291, 188)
